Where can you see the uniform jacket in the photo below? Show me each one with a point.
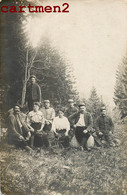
(104, 124)
(14, 127)
(87, 118)
(33, 93)
(70, 111)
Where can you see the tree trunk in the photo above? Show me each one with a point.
(25, 81)
(27, 74)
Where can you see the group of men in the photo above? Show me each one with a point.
(40, 125)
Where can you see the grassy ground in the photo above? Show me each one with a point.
(102, 171)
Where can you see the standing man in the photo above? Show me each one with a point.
(83, 125)
(33, 93)
(71, 108)
(105, 127)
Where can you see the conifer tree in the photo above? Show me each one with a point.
(94, 104)
(53, 72)
(120, 92)
(55, 75)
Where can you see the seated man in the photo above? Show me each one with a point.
(61, 127)
(49, 115)
(71, 109)
(83, 126)
(35, 119)
(105, 127)
(18, 130)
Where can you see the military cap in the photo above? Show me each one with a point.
(70, 100)
(81, 104)
(33, 76)
(103, 108)
(46, 101)
(18, 105)
(36, 103)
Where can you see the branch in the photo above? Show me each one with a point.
(35, 61)
(32, 60)
(44, 68)
(21, 62)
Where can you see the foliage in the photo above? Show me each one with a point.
(54, 73)
(120, 92)
(57, 171)
(93, 104)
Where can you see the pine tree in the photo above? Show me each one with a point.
(94, 104)
(55, 75)
(120, 92)
(53, 72)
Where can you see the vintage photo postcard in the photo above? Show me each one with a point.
(63, 97)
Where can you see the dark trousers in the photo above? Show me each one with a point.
(47, 128)
(106, 137)
(63, 140)
(81, 137)
(37, 138)
(30, 105)
(47, 137)
(13, 140)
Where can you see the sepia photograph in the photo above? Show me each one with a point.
(63, 97)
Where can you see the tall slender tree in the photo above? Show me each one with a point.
(94, 104)
(120, 91)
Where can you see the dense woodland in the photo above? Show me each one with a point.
(54, 73)
(19, 60)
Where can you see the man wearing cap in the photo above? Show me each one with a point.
(70, 111)
(33, 93)
(105, 127)
(49, 115)
(18, 130)
(83, 125)
(71, 108)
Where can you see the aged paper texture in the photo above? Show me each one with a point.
(76, 51)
